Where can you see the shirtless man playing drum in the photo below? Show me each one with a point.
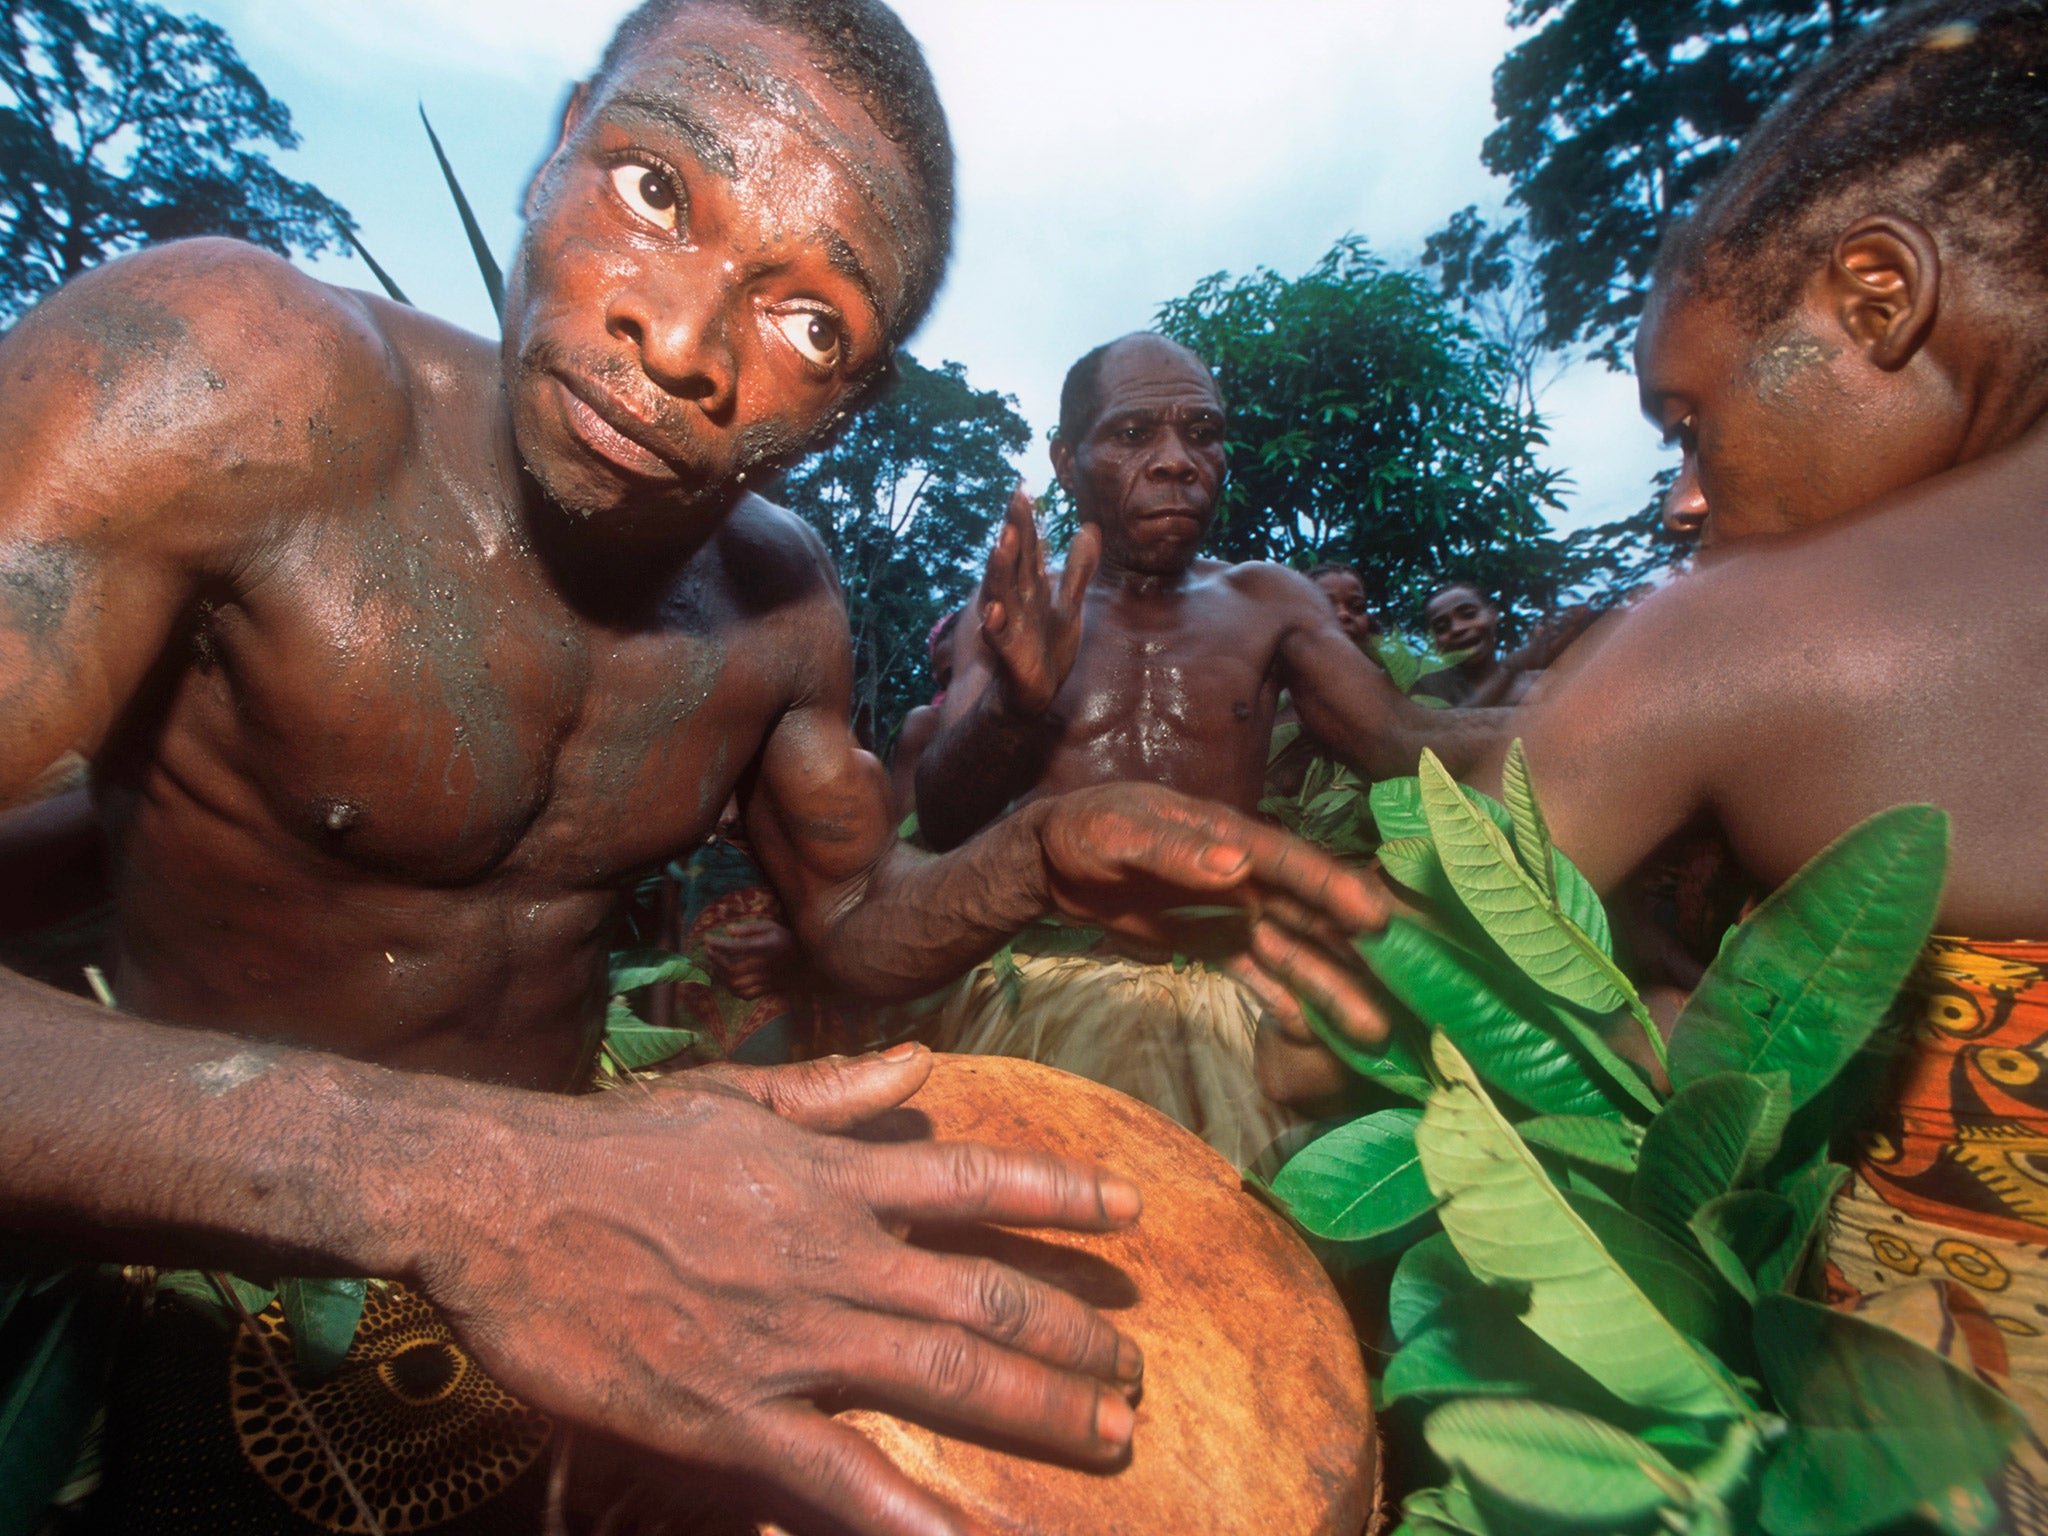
(1850, 344)
(1146, 664)
(399, 653)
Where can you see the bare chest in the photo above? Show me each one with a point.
(427, 711)
(1183, 696)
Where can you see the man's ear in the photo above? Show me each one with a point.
(1063, 464)
(1884, 278)
(572, 115)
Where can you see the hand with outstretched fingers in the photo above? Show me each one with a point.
(1122, 854)
(693, 1269)
(1033, 631)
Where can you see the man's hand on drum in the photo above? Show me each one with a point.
(700, 1270)
(1122, 854)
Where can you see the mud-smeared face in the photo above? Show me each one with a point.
(1780, 430)
(714, 259)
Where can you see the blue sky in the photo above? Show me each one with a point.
(1112, 152)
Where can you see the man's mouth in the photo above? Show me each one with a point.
(1171, 514)
(611, 432)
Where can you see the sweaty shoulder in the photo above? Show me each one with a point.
(1279, 589)
(774, 558)
(201, 380)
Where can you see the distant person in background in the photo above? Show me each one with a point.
(1294, 749)
(1345, 589)
(1462, 618)
(922, 723)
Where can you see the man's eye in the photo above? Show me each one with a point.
(815, 335)
(648, 193)
(1682, 432)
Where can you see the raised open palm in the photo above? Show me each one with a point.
(1033, 630)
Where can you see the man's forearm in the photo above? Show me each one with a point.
(923, 919)
(977, 765)
(1462, 738)
(146, 1143)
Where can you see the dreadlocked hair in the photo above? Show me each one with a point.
(1940, 109)
(864, 49)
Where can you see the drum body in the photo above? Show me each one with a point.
(1255, 1418)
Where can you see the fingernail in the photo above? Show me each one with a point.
(1224, 859)
(902, 1051)
(1130, 1360)
(1120, 1198)
(1114, 1420)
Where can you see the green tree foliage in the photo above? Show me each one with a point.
(1614, 116)
(1368, 423)
(121, 124)
(905, 499)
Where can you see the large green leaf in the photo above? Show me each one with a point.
(1428, 1275)
(632, 969)
(1880, 1426)
(1360, 1181)
(1531, 833)
(50, 1397)
(1681, 1285)
(1740, 1231)
(1396, 806)
(1475, 1346)
(1554, 1463)
(1521, 1042)
(1811, 1192)
(1610, 1144)
(1515, 1228)
(1800, 985)
(322, 1316)
(1394, 1065)
(638, 1046)
(1445, 1511)
(1413, 862)
(1715, 1132)
(1550, 948)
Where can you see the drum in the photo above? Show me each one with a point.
(1255, 1418)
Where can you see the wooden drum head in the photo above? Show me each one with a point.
(1255, 1420)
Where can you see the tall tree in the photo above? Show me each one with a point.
(1368, 423)
(905, 499)
(121, 124)
(1615, 115)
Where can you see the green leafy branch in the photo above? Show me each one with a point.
(1601, 1314)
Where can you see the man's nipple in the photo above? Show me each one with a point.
(338, 816)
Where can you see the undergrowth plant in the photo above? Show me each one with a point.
(1603, 1313)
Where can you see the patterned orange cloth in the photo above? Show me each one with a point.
(1942, 1232)
(1965, 1143)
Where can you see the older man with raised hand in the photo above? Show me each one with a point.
(398, 655)
(1849, 341)
(1145, 664)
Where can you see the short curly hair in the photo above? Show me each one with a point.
(1943, 106)
(862, 47)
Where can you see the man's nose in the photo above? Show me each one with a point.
(680, 330)
(1173, 461)
(1685, 504)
